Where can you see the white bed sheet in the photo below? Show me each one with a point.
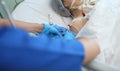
(103, 26)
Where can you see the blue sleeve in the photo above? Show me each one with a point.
(21, 52)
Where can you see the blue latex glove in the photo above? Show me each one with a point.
(60, 29)
(51, 31)
(69, 35)
(66, 34)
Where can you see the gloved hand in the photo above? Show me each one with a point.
(60, 29)
(66, 34)
(51, 31)
(69, 35)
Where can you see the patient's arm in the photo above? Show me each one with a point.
(31, 27)
(77, 25)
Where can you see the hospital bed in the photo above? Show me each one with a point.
(92, 66)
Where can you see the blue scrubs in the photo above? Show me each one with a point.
(21, 52)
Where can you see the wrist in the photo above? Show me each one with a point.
(45, 27)
(4, 22)
(35, 28)
(40, 27)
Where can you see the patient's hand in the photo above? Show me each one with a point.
(78, 24)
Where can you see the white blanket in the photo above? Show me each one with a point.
(103, 26)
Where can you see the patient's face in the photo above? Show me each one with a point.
(67, 3)
(74, 9)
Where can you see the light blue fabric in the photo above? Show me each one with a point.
(21, 52)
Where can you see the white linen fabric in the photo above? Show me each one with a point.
(103, 27)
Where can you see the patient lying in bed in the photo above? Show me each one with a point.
(95, 27)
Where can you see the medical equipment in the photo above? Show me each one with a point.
(4, 7)
(50, 19)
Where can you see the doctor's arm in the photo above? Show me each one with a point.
(40, 52)
(31, 27)
(37, 53)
